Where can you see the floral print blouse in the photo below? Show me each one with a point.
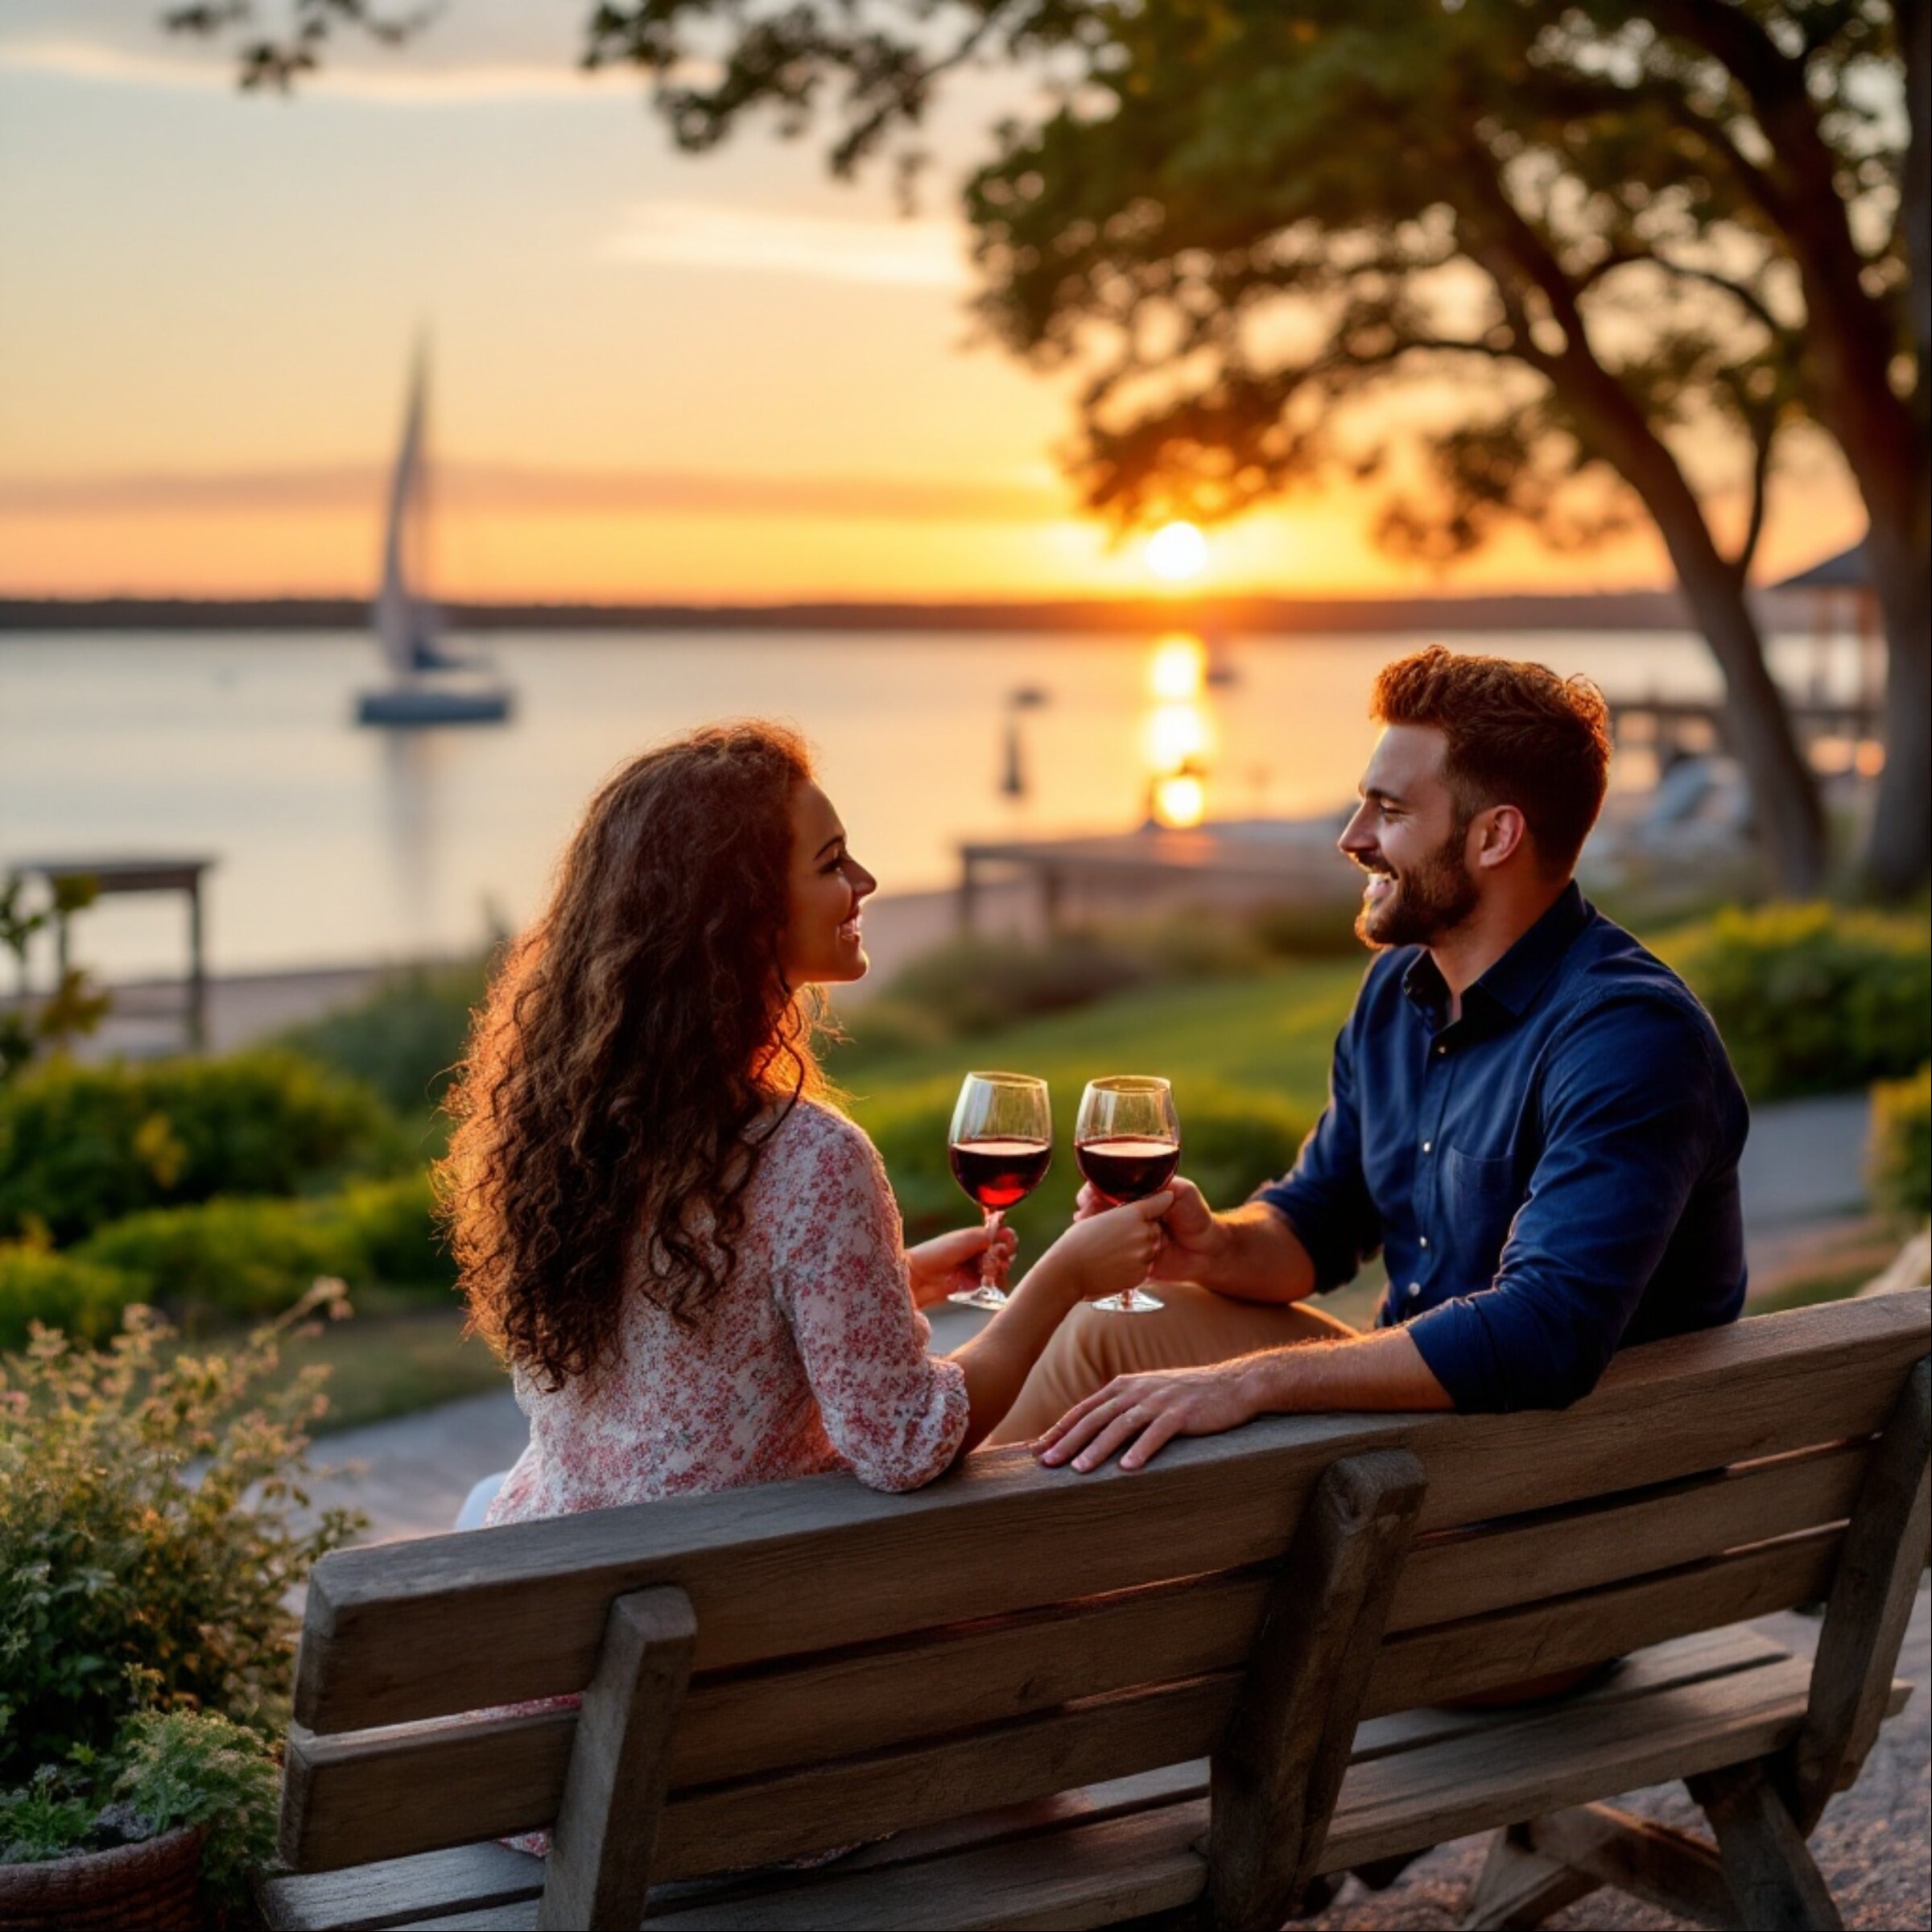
(812, 1357)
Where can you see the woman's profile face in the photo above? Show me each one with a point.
(822, 944)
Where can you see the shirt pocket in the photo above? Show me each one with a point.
(1479, 1197)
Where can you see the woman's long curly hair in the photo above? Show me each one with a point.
(632, 1039)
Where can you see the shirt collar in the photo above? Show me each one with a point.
(1514, 981)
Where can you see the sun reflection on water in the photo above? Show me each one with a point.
(1179, 733)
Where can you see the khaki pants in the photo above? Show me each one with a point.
(1194, 1327)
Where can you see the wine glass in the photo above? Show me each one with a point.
(1128, 1142)
(1000, 1146)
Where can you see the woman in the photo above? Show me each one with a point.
(693, 1261)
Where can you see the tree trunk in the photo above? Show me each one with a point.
(1784, 788)
(1851, 341)
(1898, 852)
(1757, 728)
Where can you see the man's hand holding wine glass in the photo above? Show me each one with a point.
(1191, 1236)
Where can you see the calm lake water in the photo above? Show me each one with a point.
(338, 844)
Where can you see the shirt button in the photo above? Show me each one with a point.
(1427, 1146)
(1415, 1288)
(1440, 1051)
(1425, 1241)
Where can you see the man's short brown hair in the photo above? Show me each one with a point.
(1517, 734)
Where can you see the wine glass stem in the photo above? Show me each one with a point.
(988, 1270)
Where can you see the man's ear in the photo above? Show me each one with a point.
(1500, 833)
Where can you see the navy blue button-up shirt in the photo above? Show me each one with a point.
(1548, 1177)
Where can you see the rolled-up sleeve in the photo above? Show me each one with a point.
(1630, 1121)
(893, 1413)
(1325, 1198)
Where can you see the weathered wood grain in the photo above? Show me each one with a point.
(1520, 1559)
(619, 1766)
(1767, 1864)
(350, 1799)
(1664, 1867)
(1559, 1756)
(1518, 1887)
(1870, 1605)
(1460, 1659)
(480, 1877)
(1004, 1535)
(375, 1898)
(1281, 1757)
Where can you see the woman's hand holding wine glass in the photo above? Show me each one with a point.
(1001, 1145)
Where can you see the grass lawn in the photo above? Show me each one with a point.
(1274, 1032)
(396, 1355)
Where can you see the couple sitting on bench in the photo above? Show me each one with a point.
(694, 1264)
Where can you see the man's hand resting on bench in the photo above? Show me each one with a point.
(1138, 1413)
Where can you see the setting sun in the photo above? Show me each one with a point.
(1176, 552)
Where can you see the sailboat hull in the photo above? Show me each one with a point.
(412, 704)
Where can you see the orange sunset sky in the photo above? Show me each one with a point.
(654, 378)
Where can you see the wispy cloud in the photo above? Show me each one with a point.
(409, 82)
(695, 234)
(512, 488)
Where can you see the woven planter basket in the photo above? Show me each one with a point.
(151, 1885)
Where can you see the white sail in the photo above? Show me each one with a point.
(405, 624)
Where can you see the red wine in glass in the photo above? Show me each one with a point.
(1128, 1142)
(1001, 1145)
(999, 1173)
(1128, 1167)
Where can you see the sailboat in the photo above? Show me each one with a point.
(422, 688)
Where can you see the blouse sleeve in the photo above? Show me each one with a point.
(896, 1415)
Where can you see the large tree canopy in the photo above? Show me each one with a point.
(1549, 262)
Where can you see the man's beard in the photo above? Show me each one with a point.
(1428, 903)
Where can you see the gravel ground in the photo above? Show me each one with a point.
(1873, 1845)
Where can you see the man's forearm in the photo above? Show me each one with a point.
(1258, 1257)
(1384, 1370)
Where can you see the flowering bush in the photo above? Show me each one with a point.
(152, 1521)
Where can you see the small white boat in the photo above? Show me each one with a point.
(428, 684)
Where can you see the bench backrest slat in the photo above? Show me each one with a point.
(1004, 1536)
(360, 1798)
(1624, 1523)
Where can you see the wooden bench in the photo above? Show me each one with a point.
(1074, 1701)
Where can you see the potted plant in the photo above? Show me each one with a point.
(165, 1830)
(153, 1527)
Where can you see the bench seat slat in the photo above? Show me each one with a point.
(1458, 1787)
(474, 1878)
(997, 1537)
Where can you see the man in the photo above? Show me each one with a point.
(1529, 1116)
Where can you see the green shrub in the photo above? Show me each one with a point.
(149, 1537)
(909, 1127)
(80, 1147)
(974, 985)
(225, 1260)
(390, 1228)
(405, 1040)
(1901, 1161)
(236, 1259)
(1321, 929)
(61, 1289)
(1812, 999)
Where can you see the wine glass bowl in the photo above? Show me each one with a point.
(1127, 1141)
(1000, 1146)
